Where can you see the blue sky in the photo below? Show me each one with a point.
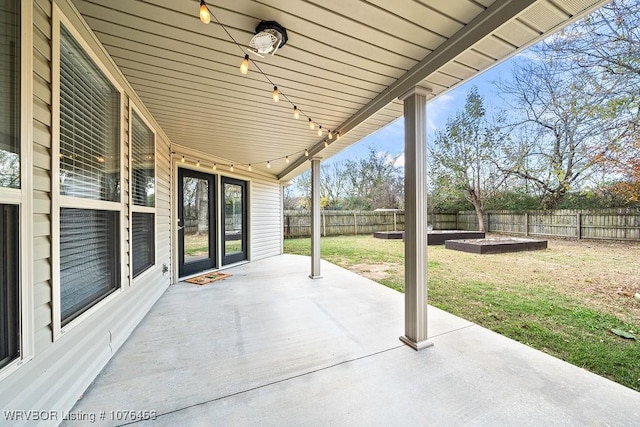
(391, 138)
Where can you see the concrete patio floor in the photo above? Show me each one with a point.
(269, 346)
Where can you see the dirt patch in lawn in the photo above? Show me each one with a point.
(376, 271)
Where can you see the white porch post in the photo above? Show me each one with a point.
(315, 218)
(415, 235)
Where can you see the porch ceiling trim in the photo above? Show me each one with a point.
(498, 14)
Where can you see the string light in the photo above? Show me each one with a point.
(326, 143)
(231, 168)
(244, 66)
(198, 164)
(182, 160)
(306, 152)
(205, 16)
(214, 167)
(268, 164)
(249, 168)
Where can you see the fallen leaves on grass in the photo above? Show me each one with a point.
(624, 334)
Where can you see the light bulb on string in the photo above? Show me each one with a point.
(319, 130)
(312, 125)
(249, 168)
(231, 168)
(205, 16)
(338, 136)
(214, 167)
(182, 160)
(198, 164)
(326, 143)
(268, 165)
(286, 159)
(244, 66)
(330, 135)
(276, 94)
(306, 152)
(296, 113)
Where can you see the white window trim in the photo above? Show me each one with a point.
(59, 201)
(23, 196)
(142, 209)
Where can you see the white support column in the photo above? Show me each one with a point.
(415, 235)
(315, 218)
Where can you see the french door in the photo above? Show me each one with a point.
(234, 217)
(196, 222)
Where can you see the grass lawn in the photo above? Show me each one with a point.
(563, 300)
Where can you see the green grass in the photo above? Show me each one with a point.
(545, 302)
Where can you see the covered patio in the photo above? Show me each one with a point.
(269, 346)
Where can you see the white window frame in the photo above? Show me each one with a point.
(137, 208)
(60, 201)
(22, 197)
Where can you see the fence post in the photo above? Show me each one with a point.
(355, 223)
(457, 213)
(395, 222)
(526, 224)
(579, 225)
(324, 225)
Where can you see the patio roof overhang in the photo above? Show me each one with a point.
(345, 65)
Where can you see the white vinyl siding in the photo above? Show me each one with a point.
(265, 230)
(60, 370)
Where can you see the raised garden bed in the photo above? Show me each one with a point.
(389, 235)
(439, 237)
(495, 245)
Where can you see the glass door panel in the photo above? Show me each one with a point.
(234, 214)
(196, 221)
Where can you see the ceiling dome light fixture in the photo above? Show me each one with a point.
(270, 36)
(205, 16)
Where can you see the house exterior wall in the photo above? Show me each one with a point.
(62, 363)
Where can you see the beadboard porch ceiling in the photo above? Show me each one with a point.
(344, 65)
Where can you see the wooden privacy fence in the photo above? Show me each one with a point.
(338, 223)
(608, 224)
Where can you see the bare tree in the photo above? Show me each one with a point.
(563, 121)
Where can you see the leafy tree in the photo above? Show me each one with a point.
(464, 155)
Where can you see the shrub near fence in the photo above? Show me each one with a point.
(340, 223)
(606, 224)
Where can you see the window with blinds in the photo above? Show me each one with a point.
(143, 243)
(143, 180)
(89, 126)
(9, 279)
(90, 158)
(89, 253)
(143, 170)
(10, 93)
